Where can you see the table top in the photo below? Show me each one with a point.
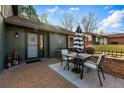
(80, 55)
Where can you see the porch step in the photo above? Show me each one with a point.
(33, 60)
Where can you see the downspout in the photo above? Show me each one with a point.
(2, 15)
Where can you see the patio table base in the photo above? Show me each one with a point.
(76, 70)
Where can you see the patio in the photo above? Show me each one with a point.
(40, 75)
(34, 75)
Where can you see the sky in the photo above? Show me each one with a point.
(110, 18)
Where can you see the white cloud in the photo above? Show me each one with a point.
(116, 25)
(74, 9)
(111, 11)
(99, 30)
(106, 8)
(52, 10)
(113, 20)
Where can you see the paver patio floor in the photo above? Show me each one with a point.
(40, 75)
(36, 75)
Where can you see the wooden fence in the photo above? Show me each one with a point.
(111, 53)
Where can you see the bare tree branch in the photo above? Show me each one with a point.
(44, 18)
(67, 21)
(89, 22)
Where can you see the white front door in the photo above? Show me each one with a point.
(32, 45)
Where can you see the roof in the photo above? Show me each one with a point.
(95, 34)
(23, 22)
(89, 33)
(116, 35)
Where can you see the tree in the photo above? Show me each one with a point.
(67, 21)
(22, 10)
(28, 11)
(89, 23)
(44, 18)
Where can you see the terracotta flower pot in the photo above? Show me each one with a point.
(90, 50)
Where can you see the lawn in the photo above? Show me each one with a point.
(117, 48)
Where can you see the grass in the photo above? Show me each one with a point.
(118, 48)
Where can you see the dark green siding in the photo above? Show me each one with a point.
(45, 45)
(2, 43)
(57, 41)
(52, 41)
(16, 43)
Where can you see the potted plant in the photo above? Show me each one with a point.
(90, 49)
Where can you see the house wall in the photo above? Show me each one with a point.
(2, 42)
(120, 40)
(46, 45)
(14, 43)
(5, 11)
(88, 39)
(52, 41)
(105, 40)
(19, 43)
(70, 41)
(101, 41)
(56, 41)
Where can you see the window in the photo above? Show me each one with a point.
(97, 39)
(114, 42)
(89, 37)
(70, 41)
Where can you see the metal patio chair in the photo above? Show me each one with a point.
(96, 66)
(66, 59)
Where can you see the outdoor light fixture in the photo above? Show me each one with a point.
(17, 34)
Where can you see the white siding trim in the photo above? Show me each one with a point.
(0, 8)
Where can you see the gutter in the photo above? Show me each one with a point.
(2, 15)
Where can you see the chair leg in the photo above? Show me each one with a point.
(103, 74)
(81, 73)
(74, 65)
(61, 64)
(68, 65)
(99, 78)
(65, 65)
(88, 70)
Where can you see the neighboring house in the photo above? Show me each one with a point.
(32, 39)
(116, 38)
(90, 38)
(93, 38)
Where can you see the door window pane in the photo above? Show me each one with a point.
(32, 39)
(32, 45)
(41, 45)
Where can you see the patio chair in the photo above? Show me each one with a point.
(96, 66)
(66, 59)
